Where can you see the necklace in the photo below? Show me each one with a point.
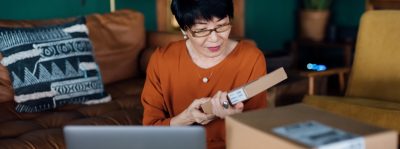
(191, 53)
(206, 79)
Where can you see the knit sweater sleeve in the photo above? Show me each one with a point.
(152, 96)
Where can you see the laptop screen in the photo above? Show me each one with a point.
(134, 137)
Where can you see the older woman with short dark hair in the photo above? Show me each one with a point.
(201, 68)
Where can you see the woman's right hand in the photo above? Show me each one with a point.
(193, 114)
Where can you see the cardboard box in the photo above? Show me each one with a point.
(251, 89)
(292, 126)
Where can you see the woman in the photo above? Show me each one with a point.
(203, 67)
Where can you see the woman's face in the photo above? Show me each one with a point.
(214, 44)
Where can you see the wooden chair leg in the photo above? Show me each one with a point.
(310, 85)
(341, 82)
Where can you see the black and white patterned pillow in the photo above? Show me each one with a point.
(51, 66)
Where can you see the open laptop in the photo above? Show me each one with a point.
(134, 137)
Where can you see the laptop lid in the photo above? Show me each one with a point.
(134, 137)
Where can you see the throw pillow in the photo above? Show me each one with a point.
(51, 66)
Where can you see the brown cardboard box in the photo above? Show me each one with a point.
(251, 89)
(257, 130)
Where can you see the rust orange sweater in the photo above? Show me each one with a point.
(173, 81)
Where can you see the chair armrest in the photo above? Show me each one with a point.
(335, 71)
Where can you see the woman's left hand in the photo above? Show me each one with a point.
(219, 110)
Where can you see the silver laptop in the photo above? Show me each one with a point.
(134, 137)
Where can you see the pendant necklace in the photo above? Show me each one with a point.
(206, 79)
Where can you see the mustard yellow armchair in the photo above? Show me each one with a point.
(373, 88)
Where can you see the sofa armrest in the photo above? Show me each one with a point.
(6, 88)
(161, 39)
(335, 71)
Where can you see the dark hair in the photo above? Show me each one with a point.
(188, 11)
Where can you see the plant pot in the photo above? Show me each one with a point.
(313, 24)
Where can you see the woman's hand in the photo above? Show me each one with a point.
(193, 114)
(221, 111)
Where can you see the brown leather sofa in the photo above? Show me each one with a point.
(120, 47)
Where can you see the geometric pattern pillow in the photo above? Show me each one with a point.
(51, 66)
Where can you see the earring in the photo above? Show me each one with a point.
(184, 34)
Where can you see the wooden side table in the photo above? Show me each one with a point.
(335, 71)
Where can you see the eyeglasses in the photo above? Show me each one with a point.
(206, 32)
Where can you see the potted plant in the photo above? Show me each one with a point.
(314, 18)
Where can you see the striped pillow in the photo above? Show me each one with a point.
(51, 66)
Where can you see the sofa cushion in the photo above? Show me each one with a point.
(117, 40)
(51, 66)
(375, 112)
